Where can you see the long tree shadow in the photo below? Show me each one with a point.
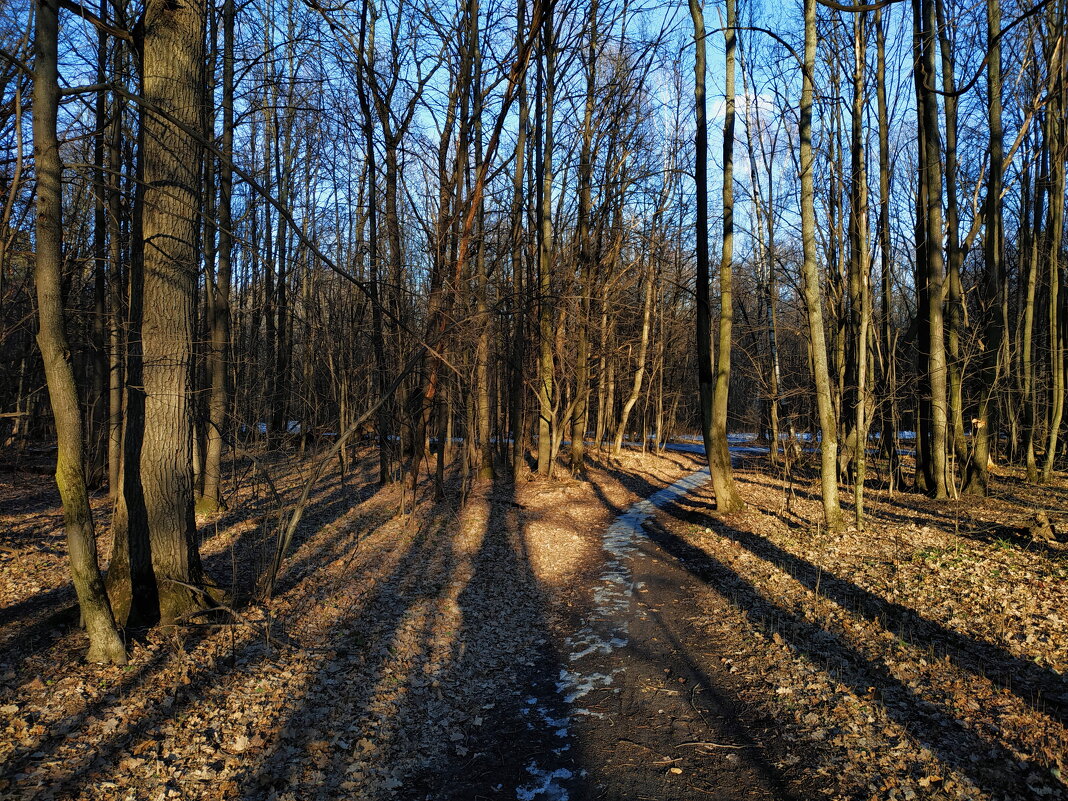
(1043, 689)
(160, 699)
(424, 687)
(720, 713)
(37, 623)
(988, 764)
(502, 654)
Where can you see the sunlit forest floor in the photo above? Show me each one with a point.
(435, 655)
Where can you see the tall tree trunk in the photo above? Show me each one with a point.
(218, 362)
(954, 251)
(586, 258)
(1027, 360)
(546, 366)
(978, 475)
(115, 290)
(518, 348)
(377, 325)
(832, 511)
(935, 262)
(158, 481)
(1055, 138)
(98, 409)
(704, 308)
(483, 322)
(887, 383)
(727, 497)
(104, 642)
(860, 266)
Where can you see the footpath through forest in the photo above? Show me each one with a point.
(604, 639)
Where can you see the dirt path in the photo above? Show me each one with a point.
(563, 640)
(651, 713)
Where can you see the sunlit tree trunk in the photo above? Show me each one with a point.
(545, 380)
(579, 413)
(104, 642)
(935, 262)
(810, 275)
(860, 267)
(158, 481)
(978, 475)
(727, 497)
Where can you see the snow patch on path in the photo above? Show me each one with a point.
(605, 629)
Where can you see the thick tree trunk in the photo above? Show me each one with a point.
(158, 481)
(483, 427)
(932, 174)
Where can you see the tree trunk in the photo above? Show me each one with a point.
(639, 371)
(704, 308)
(586, 258)
(218, 363)
(546, 366)
(158, 481)
(518, 355)
(978, 479)
(727, 497)
(860, 268)
(104, 642)
(932, 176)
(888, 383)
(810, 274)
(954, 251)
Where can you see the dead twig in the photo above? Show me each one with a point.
(713, 745)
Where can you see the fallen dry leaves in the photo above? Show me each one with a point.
(921, 658)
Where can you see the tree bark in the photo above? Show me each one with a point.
(218, 362)
(705, 379)
(546, 365)
(978, 479)
(158, 480)
(104, 642)
(586, 258)
(727, 497)
(832, 511)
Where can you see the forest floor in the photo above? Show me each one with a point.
(557, 640)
